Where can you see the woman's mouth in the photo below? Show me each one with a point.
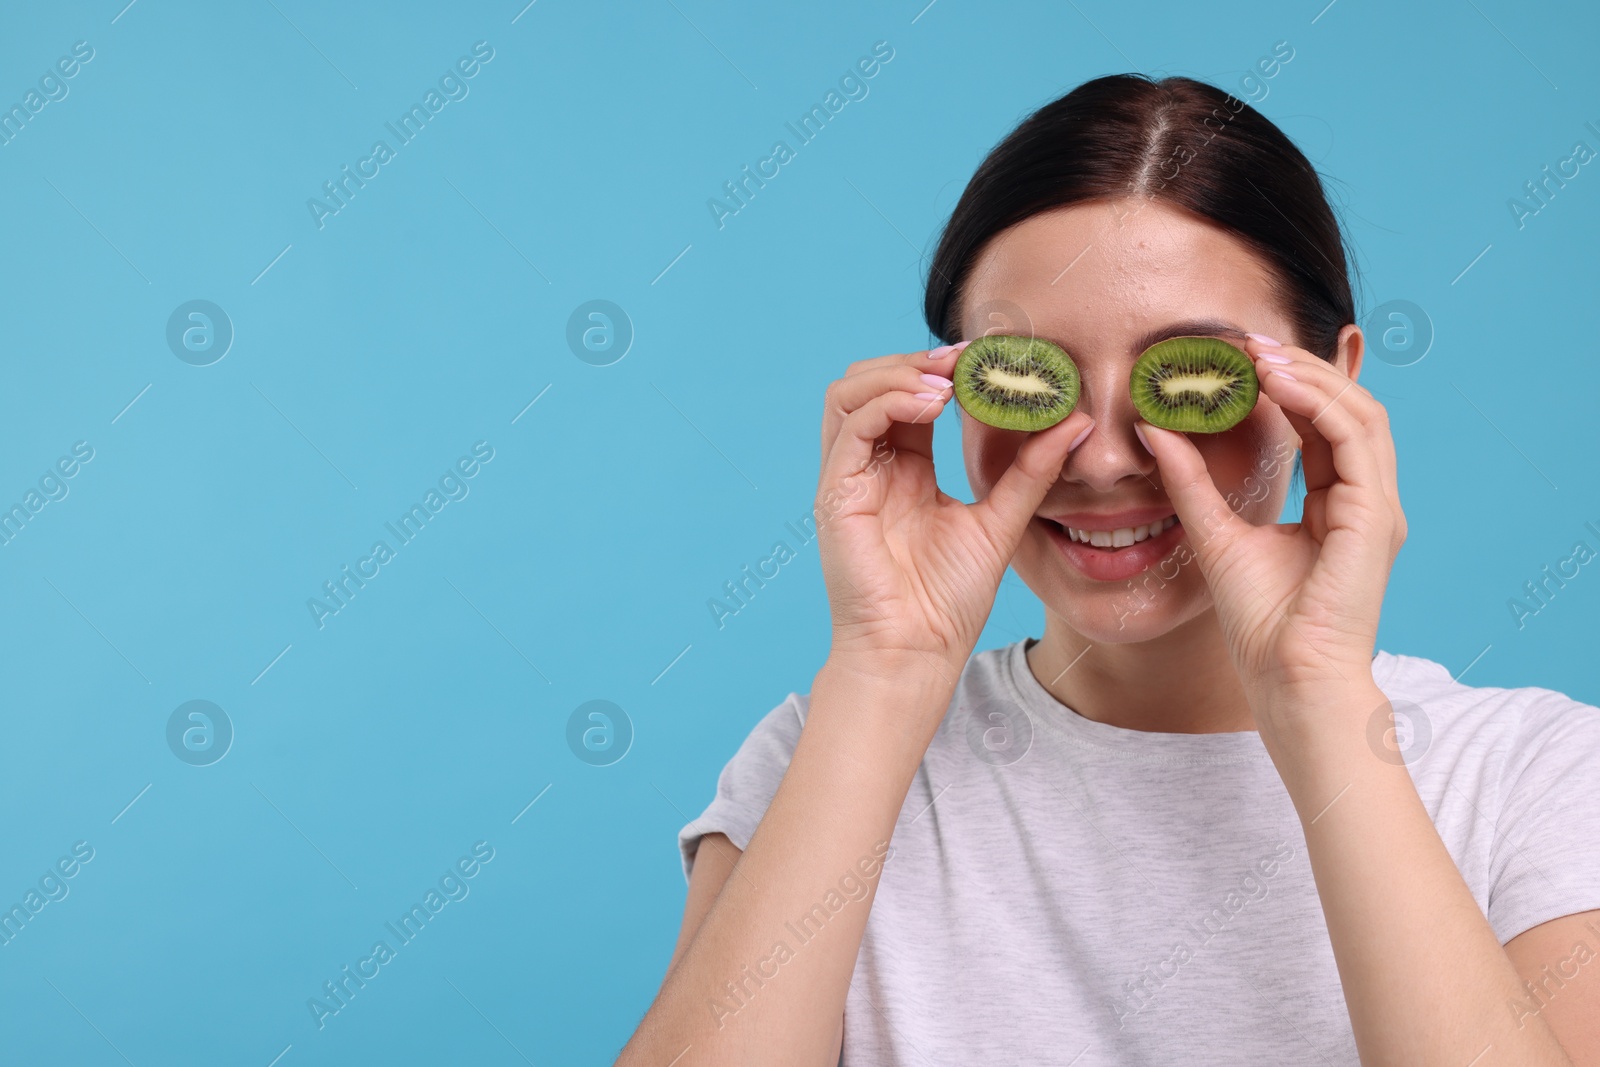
(1110, 553)
(1122, 536)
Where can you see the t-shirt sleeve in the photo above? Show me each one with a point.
(1545, 860)
(748, 781)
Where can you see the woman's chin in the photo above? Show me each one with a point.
(1125, 623)
(1130, 614)
(1148, 605)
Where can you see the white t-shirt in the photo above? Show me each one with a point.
(1062, 891)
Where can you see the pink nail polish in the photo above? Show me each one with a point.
(1271, 358)
(1076, 441)
(1264, 339)
(1143, 440)
(941, 352)
(936, 381)
(1283, 374)
(928, 396)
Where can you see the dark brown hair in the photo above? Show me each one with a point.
(1177, 140)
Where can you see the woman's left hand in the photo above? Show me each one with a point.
(1298, 602)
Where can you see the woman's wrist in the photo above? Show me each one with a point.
(1319, 739)
(888, 706)
(895, 671)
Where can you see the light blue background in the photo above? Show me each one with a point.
(427, 314)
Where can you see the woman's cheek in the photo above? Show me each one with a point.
(988, 452)
(1247, 461)
(1230, 459)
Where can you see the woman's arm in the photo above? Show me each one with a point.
(911, 575)
(712, 865)
(1568, 1003)
(713, 862)
(1425, 978)
(764, 974)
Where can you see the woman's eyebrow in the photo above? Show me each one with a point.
(1192, 328)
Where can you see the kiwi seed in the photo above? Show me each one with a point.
(1016, 383)
(1193, 385)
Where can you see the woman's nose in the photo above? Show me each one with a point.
(1112, 452)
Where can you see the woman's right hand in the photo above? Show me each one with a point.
(912, 572)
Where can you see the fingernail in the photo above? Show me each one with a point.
(941, 351)
(1078, 440)
(1143, 440)
(1271, 358)
(929, 396)
(1264, 339)
(1283, 374)
(936, 381)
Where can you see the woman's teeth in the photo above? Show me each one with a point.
(1123, 536)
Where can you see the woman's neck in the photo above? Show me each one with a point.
(1183, 682)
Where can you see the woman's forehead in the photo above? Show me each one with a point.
(1070, 277)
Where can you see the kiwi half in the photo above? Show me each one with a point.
(1193, 385)
(1016, 383)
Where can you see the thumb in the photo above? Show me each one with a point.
(1005, 512)
(1210, 523)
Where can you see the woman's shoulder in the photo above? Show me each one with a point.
(1439, 714)
(766, 750)
(1511, 777)
(1424, 680)
(771, 741)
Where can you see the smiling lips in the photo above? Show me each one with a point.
(1122, 536)
(1114, 547)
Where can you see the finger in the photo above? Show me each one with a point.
(938, 360)
(918, 437)
(1326, 463)
(1317, 460)
(855, 449)
(1335, 444)
(1005, 511)
(849, 393)
(1310, 367)
(1209, 523)
(1352, 509)
(1368, 410)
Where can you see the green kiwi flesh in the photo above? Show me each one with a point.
(1016, 383)
(1193, 385)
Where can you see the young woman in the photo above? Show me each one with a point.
(1179, 827)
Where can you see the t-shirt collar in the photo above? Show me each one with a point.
(1052, 715)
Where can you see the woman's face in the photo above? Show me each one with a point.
(1105, 280)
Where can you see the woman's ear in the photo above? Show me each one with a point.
(1351, 347)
